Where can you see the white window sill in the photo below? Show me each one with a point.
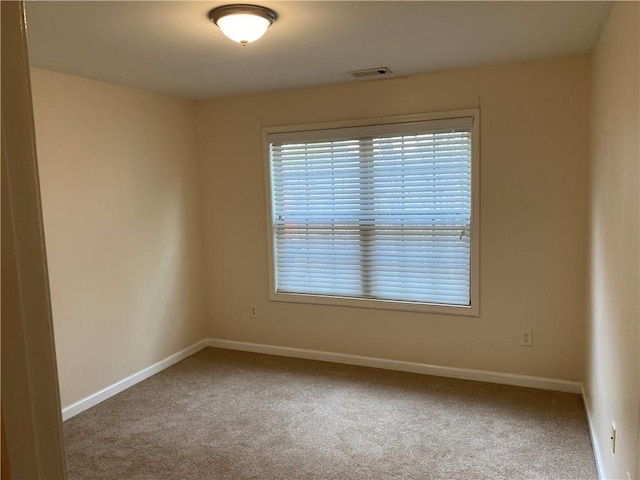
(468, 311)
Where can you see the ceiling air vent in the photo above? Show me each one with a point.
(371, 72)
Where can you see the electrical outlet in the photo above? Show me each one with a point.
(613, 438)
(253, 311)
(526, 337)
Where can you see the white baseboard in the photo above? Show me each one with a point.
(88, 402)
(594, 438)
(451, 372)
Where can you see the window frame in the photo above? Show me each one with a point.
(474, 308)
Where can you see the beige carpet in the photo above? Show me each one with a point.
(221, 414)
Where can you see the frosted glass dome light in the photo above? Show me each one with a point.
(243, 23)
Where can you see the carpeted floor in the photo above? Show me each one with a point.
(221, 414)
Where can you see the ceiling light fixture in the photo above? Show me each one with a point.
(243, 23)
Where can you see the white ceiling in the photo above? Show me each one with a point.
(172, 47)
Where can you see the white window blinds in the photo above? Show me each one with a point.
(377, 212)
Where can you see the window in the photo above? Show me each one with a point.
(380, 214)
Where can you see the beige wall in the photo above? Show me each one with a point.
(534, 155)
(121, 212)
(613, 365)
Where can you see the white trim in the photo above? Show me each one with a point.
(408, 118)
(466, 311)
(450, 372)
(108, 392)
(379, 304)
(594, 438)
